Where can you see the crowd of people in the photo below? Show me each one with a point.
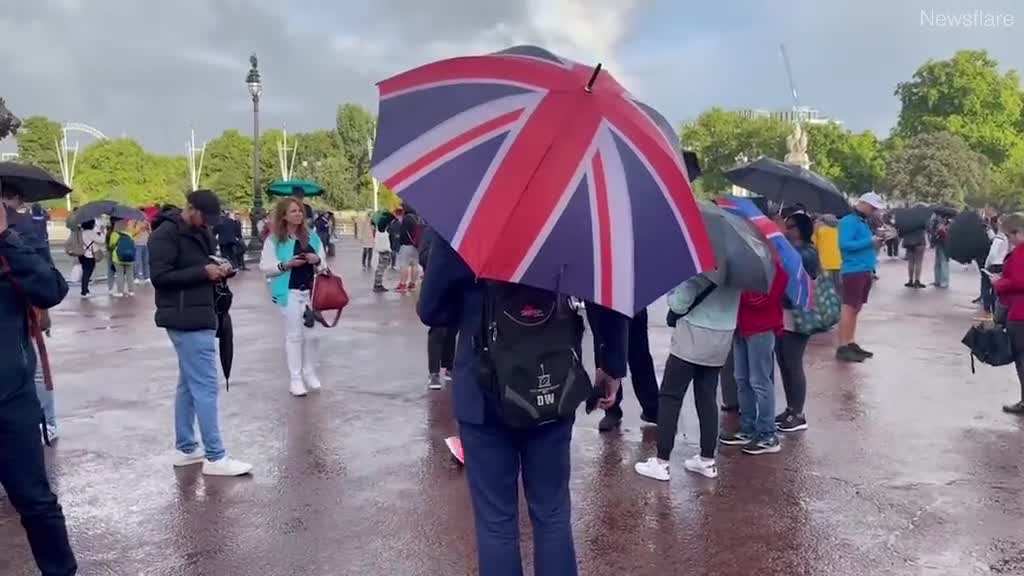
(722, 337)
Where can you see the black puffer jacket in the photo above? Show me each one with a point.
(178, 255)
(29, 280)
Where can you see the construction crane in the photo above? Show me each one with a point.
(789, 74)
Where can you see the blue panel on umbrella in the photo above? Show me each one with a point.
(442, 195)
(568, 248)
(406, 117)
(661, 255)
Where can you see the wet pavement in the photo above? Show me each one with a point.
(909, 466)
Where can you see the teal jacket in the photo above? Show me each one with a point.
(857, 245)
(274, 254)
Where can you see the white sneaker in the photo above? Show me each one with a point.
(131, 293)
(297, 388)
(653, 468)
(312, 381)
(703, 466)
(117, 294)
(189, 458)
(51, 432)
(226, 467)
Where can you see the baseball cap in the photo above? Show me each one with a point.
(206, 202)
(872, 199)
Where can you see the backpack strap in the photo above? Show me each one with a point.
(699, 298)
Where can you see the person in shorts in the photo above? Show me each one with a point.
(408, 253)
(858, 246)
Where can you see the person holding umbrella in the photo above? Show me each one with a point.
(859, 247)
(913, 235)
(1009, 286)
(27, 281)
(184, 276)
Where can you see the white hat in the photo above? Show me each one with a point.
(872, 199)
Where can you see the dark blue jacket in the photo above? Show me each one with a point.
(450, 296)
(30, 281)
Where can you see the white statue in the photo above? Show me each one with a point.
(796, 143)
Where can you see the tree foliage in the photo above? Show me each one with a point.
(966, 96)
(355, 127)
(37, 143)
(227, 168)
(720, 137)
(122, 170)
(9, 123)
(855, 163)
(938, 168)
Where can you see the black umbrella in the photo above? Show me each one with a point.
(94, 210)
(790, 184)
(945, 211)
(222, 298)
(911, 219)
(967, 239)
(31, 183)
(744, 259)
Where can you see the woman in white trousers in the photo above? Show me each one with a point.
(291, 258)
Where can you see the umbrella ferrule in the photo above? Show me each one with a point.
(593, 78)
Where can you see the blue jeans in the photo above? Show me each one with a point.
(45, 397)
(941, 268)
(495, 457)
(141, 262)
(197, 392)
(754, 359)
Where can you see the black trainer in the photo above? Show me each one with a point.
(648, 418)
(861, 351)
(792, 423)
(609, 423)
(849, 354)
(768, 445)
(783, 416)
(737, 439)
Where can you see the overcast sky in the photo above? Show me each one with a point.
(150, 69)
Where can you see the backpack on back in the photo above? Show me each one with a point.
(529, 349)
(125, 248)
(74, 245)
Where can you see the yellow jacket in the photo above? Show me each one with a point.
(826, 240)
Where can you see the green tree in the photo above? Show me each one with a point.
(227, 168)
(853, 162)
(355, 128)
(317, 145)
(966, 96)
(9, 123)
(938, 168)
(122, 170)
(719, 137)
(37, 143)
(1008, 183)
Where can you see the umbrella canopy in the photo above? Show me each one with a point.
(947, 211)
(31, 183)
(790, 184)
(94, 210)
(541, 171)
(287, 188)
(911, 219)
(799, 286)
(967, 239)
(744, 258)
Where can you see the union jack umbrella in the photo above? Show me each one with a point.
(541, 171)
(800, 286)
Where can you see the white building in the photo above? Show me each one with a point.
(802, 114)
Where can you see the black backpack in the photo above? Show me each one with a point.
(529, 349)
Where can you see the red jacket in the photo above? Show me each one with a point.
(763, 312)
(1010, 287)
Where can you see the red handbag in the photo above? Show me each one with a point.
(328, 294)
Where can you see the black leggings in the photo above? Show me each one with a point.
(440, 349)
(789, 352)
(678, 374)
(88, 266)
(367, 257)
(1016, 332)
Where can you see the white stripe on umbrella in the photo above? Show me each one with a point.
(446, 131)
(556, 214)
(459, 82)
(620, 208)
(485, 182)
(668, 198)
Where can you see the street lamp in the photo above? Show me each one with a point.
(252, 80)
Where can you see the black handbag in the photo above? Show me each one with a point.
(989, 344)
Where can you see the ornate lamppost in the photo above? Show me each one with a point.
(252, 80)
